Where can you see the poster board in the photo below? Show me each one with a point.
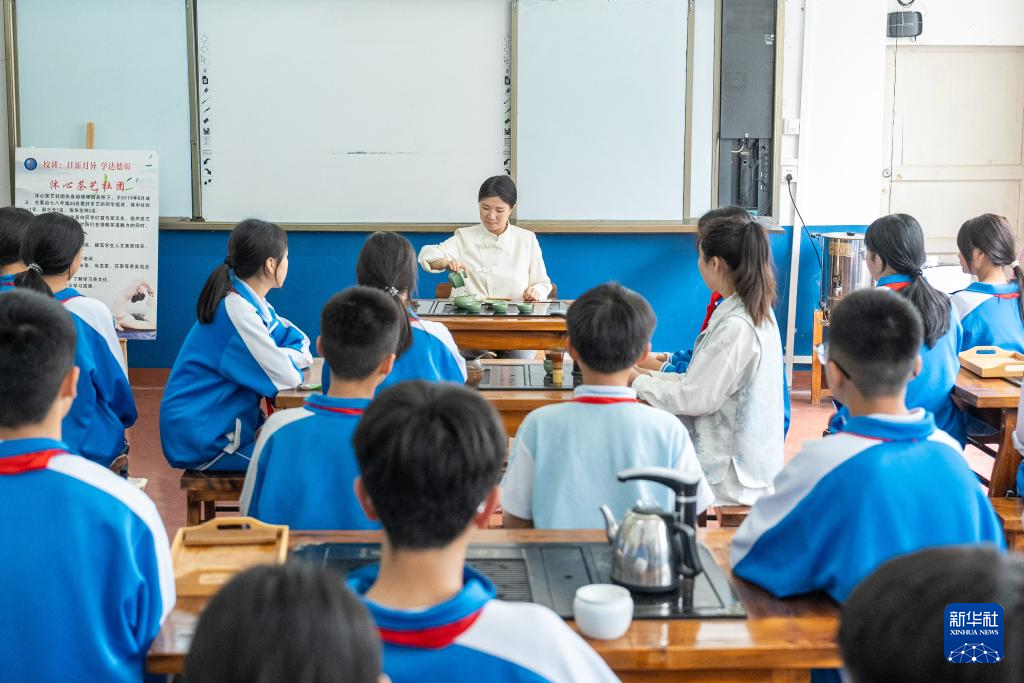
(114, 194)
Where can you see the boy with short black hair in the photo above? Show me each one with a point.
(302, 465)
(13, 224)
(888, 484)
(87, 575)
(565, 457)
(430, 456)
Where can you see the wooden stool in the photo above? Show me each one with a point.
(817, 337)
(204, 490)
(731, 515)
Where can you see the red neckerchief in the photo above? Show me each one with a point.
(430, 638)
(27, 462)
(603, 400)
(716, 298)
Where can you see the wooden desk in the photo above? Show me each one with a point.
(781, 640)
(501, 332)
(994, 401)
(513, 405)
(1010, 511)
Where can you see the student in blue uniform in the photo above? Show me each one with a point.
(87, 572)
(13, 223)
(895, 255)
(303, 466)
(430, 456)
(238, 352)
(291, 622)
(889, 483)
(565, 457)
(104, 406)
(991, 310)
(730, 398)
(426, 349)
(893, 625)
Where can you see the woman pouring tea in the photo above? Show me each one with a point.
(498, 259)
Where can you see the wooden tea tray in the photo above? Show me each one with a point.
(207, 556)
(992, 361)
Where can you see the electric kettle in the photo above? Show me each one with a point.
(652, 548)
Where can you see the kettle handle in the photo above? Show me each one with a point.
(684, 541)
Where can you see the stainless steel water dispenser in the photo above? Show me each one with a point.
(843, 266)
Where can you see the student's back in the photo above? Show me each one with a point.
(303, 466)
(104, 407)
(887, 484)
(237, 353)
(87, 571)
(426, 349)
(991, 310)
(565, 458)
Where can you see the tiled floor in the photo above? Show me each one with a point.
(147, 459)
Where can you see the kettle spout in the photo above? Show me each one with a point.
(611, 527)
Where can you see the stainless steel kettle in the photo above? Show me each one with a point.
(652, 548)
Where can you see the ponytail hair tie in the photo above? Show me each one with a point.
(918, 273)
(391, 290)
(36, 268)
(1015, 264)
(227, 262)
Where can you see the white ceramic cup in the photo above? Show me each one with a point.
(603, 611)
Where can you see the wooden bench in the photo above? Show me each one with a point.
(208, 492)
(1010, 511)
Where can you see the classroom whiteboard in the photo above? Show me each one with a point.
(122, 64)
(356, 111)
(601, 106)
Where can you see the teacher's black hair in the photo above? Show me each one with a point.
(51, 243)
(252, 242)
(13, 224)
(387, 262)
(898, 240)
(293, 622)
(892, 625)
(993, 237)
(500, 186)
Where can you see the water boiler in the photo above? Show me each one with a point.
(843, 266)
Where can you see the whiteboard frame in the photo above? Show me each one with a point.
(687, 225)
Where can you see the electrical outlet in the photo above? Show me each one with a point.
(789, 169)
(791, 126)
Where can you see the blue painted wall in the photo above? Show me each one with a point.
(661, 267)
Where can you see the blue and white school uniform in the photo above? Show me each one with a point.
(933, 388)
(731, 400)
(474, 637)
(7, 282)
(87, 572)
(211, 407)
(884, 486)
(565, 457)
(104, 406)
(990, 316)
(432, 356)
(303, 467)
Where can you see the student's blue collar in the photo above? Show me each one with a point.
(23, 446)
(322, 404)
(245, 291)
(66, 293)
(983, 288)
(895, 278)
(895, 429)
(476, 591)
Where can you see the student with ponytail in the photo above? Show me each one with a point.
(895, 256)
(426, 349)
(731, 396)
(51, 250)
(13, 224)
(238, 352)
(991, 310)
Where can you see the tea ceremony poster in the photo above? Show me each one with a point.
(114, 195)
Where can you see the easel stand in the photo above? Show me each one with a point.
(817, 337)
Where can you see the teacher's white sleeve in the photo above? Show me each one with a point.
(539, 279)
(449, 249)
(718, 370)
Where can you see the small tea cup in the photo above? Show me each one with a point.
(603, 611)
